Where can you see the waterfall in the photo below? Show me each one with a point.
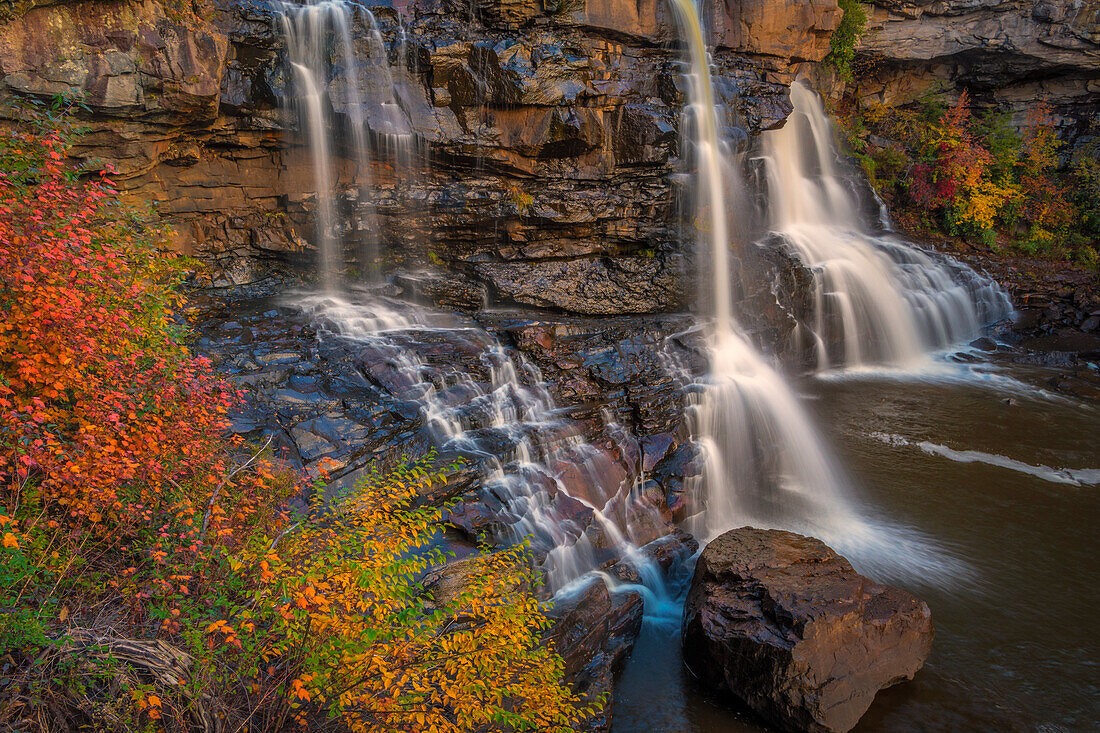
(574, 501)
(765, 465)
(576, 504)
(718, 185)
(331, 73)
(876, 298)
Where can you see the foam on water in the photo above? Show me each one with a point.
(1071, 476)
(877, 299)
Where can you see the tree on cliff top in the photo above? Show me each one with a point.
(842, 44)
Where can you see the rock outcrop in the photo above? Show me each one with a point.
(320, 398)
(787, 627)
(594, 631)
(1008, 53)
(345, 404)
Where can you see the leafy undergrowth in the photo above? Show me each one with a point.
(945, 169)
(151, 577)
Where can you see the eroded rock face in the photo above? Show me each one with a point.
(799, 30)
(327, 400)
(593, 286)
(123, 58)
(1009, 53)
(547, 134)
(787, 627)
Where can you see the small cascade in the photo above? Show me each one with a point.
(574, 501)
(876, 299)
(337, 68)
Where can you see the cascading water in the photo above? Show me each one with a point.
(545, 484)
(765, 464)
(574, 501)
(331, 74)
(877, 299)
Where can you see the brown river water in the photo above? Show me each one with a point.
(1000, 478)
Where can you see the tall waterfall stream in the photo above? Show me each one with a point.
(886, 316)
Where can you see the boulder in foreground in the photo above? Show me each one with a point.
(790, 629)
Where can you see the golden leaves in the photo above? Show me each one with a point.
(344, 591)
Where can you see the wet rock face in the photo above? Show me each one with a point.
(787, 627)
(322, 398)
(604, 286)
(619, 366)
(122, 58)
(330, 401)
(547, 134)
(594, 631)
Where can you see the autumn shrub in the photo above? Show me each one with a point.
(1086, 185)
(341, 605)
(976, 175)
(110, 432)
(118, 490)
(151, 574)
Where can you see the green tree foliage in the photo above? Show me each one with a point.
(842, 45)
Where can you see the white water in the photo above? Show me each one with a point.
(332, 73)
(765, 464)
(576, 502)
(877, 299)
(1071, 476)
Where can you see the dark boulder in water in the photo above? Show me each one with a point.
(787, 627)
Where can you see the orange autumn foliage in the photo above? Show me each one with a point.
(985, 175)
(380, 652)
(959, 175)
(1047, 202)
(127, 513)
(96, 392)
(116, 475)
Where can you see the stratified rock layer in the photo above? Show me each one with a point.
(790, 629)
(547, 134)
(1008, 53)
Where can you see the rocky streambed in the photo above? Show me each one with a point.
(618, 386)
(414, 378)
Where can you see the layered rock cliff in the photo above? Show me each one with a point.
(548, 130)
(547, 133)
(1007, 53)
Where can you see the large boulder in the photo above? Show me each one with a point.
(789, 628)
